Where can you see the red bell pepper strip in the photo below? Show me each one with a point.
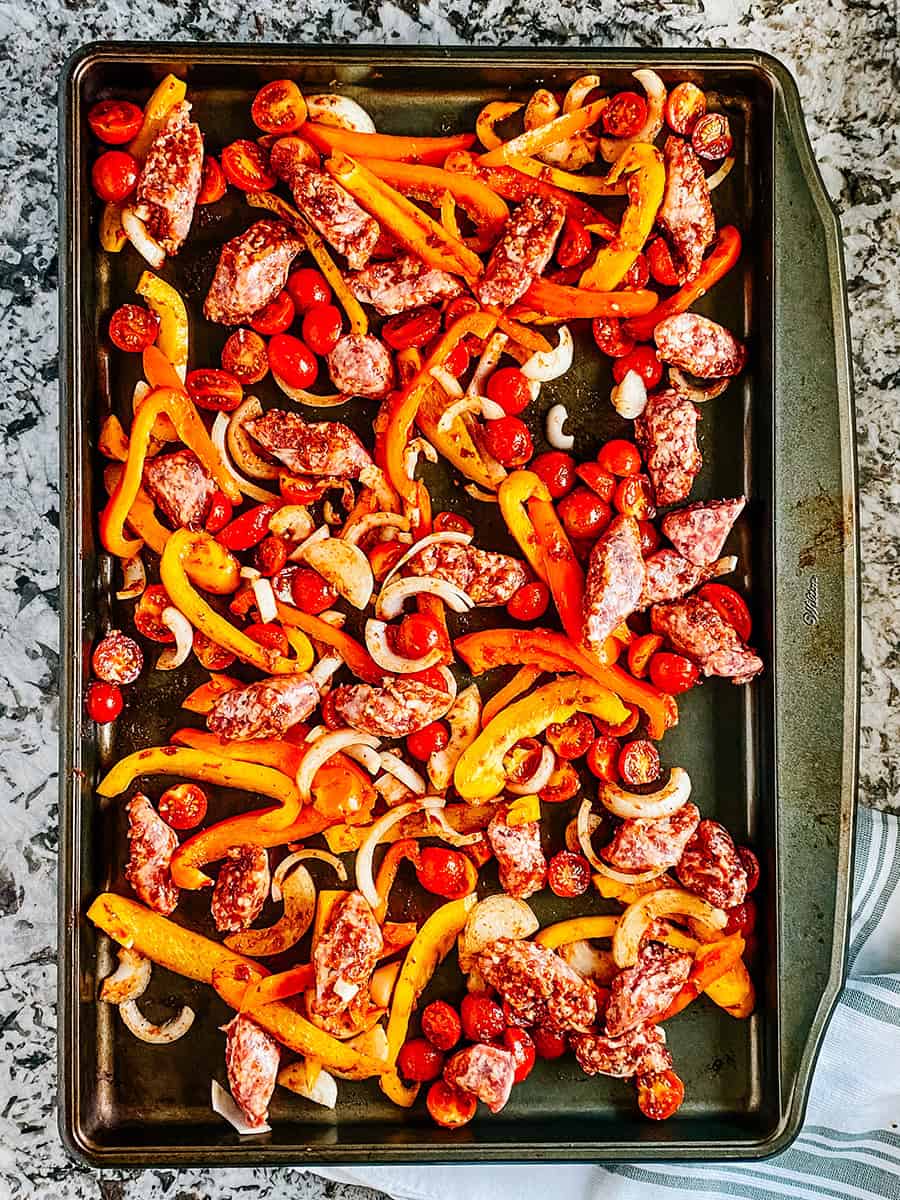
(569, 303)
(725, 254)
(328, 139)
(565, 577)
(354, 655)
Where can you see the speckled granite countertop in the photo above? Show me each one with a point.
(843, 53)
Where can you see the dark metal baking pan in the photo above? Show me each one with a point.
(776, 762)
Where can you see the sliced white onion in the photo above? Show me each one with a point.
(376, 481)
(629, 398)
(265, 600)
(365, 880)
(540, 776)
(490, 409)
(394, 765)
(345, 990)
(571, 836)
(344, 566)
(251, 574)
(330, 513)
(545, 365)
(477, 493)
(698, 393)
(464, 720)
(218, 433)
(448, 382)
(134, 578)
(323, 1090)
(287, 864)
(366, 757)
(317, 731)
(418, 446)
(321, 672)
(379, 648)
(449, 682)
(291, 521)
(225, 1106)
(462, 405)
(377, 520)
(332, 617)
(432, 539)
(717, 177)
(392, 791)
(612, 149)
(302, 396)
(339, 111)
(175, 655)
(583, 827)
(579, 91)
(129, 980)
(627, 877)
(392, 598)
(322, 534)
(490, 356)
(155, 1035)
(449, 834)
(137, 233)
(556, 419)
(652, 806)
(141, 389)
(324, 748)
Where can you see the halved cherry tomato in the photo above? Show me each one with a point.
(482, 1018)
(311, 593)
(509, 441)
(413, 328)
(114, 175)
(642, 359)
(556, 471)
(446, 873)
(330, 718)
(562, 785)
(133, 328)
(210, 654)
(624, 728)
(574, 244)
(529, 602)
(441, 1024)
(321, 328)
(448, 1106)
(609, 337)
(640, 652)
(522, 760)
(424, 742)
(212, 181)
(104, 702)
(731, 607)
(271, 554)
(450, 522)
(619, 457)
(603, 757)
(292, 361)
(711, 137)
(741, 919)
(625, 115)
(569, 874)
(509, 388)
(750, 863)
(278, 107)
(217, 391)
(634, 498)
(673, 673)
(598, 479)
(650, 538)
(461, 306)
(457, 361)
(246, 166)
(432, 677)
(220, 512)
(659, 1094)
(639, 762)
(308, 287)
(115, 121)
(583, 513)
(572, 738)
(637, 276)
(117, 658)
(659, 259)
(249, 529)
(417, 634)
(183, 806)
(149, 611)
(244, 356)
(549, 1044)
(518, 1042)
(419, 1061)
(270, 635)
(276, 317)
(685, 106)
(382, 556)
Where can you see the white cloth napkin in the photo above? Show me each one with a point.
(849, 1148)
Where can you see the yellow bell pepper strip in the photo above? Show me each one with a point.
(265, 752)
(405, 404)
(182, 544)
(571, 181)
(432, 944)
(298, 894)
(557, 302)
(513, 494)
(645, 192)
(577, 929)
(485, 209)
(202, 699)
(359, 322)
(448, 216)
(328, 139)
(522, 810)
(112, 442)
(563, 572)
(479, 774)
(491, 116)
(725, 253)
(711, 961)
(627, 893)
(523, 680)
(168, 305)
(734, 991)
(527, 144)
(457, 443)
(405, 221)
(356, 657)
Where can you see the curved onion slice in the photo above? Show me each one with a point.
(464, 719)
(239, 442)
(129, 980)
(380, 650)
(583, 828)
(545, 365)
(629, 398)
(477, 493)
(718, 176)
(556, 419)
(218, 434)
(291, 521)
(392, 598)
(309, 1080)
(299, 895)
(431, 539)
(490, 357)
(339, 111)
(155, 1035)
(492, 918)
(461, 405)
(391, 790)
(318, 535)
(376, 520)
(302, 396)
(579, 91)
(409, 776)
(365, 880)
(137, 233)
(224, 1104)
(366, 757)
(664, 802)
(449, 682)
(134, 578)
(696, 392)
(344, 566)
(265, 600)
(175, 655)
(540, 777)
(288, 864)
(449, 834)
(637, 918)
(612, 149)
(324, 748)
(323, 670)
(448, 382)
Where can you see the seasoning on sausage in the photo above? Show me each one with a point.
(615, 580)
(484, 1071)
(404, 283)
(117, 658)
(537, 985)
(639, 1051)
(241, 888)
(686, 213)
(253, 268)
(523, 251)
(359, 365)
(646, 990)
(346, 953)
(151, 844)
(395, 710)
(521, 861)
(695, 628)
(666, 434)
(711, 866)
(310, 447)
(181, 487)
(486, 577)
(252, 1057)
(698, 532)
(640, 844)
(169, 182)
(266, 709)
(668, 576)
(333, 211)
(696, 344)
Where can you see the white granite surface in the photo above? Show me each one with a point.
(844, 55)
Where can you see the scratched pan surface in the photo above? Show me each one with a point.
(775, 762)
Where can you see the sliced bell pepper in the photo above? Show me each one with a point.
(112, 236)
(354, 655)
(202, 699)
(563, 571)
(432, 944)
(571, 181)
(491, 116)
(734, 991)
(531, 141)
(577, 929)
(645, 192)
(513, 494)
(464, 818)
(397, 936)
(328, 139)
(433, 606)
(112, 442)
(265, 752)
(479, 774)
(711, 961)
(278, 987)
(299, 895)
(522, 810)
(169, 306)
(523, 680)
(456, 444)
(524, 341)
(448, 218)
(405, 849)
(558, 302)
(725, 253)
(159, 371)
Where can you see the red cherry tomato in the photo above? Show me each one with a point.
(268, 634)
(529, 602)
(461, 306)
(548, 1044)
(571, 739)
(569, 874)
(117, 658)
(457, 361)
(625, 115)
(482, 1017)
(441, 1024)
(610, 338)
(640, 652)
(278, 107)
(383, 556)
(432, 677)
(308, 287)
(104, 702)
(214, 390)
(639, 762)
(638, 275)
(521, 1047)
(624, 728)
(417, 634)
(448, 1106)
(711, 137)
(424, 742)
(659, 259)
(522, 760)
(292, 361)
(750, 863)
(556, 471)
(114, 175)
(244, 356)
(509, 441)
(276, 317)
(659, 1095)
(598, 480)
(183, 806)
(685, 106)
(212, 181)
(619, 457)
(133, 328)
(562, 785)
(574, 245)
(447, 873)
(220, 513)
(419, 1061)
(115, 121)
(509, 388)
(741, 919)
(642, 359)
(450, 522)
(149, 611)
(731, 607)
(650, 538)
(209, 654)
(413, 328)
(330, 717)
(271, 555)
(249, 529)
(310, 591)
(583, 513)
(602, 759)
(321, 328)
(673, 673)
(246, 166)
(634, 498)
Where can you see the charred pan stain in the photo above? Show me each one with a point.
(828, 520)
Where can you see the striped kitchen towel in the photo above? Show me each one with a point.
(850, 1143)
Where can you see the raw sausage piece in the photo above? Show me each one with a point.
(537, 985)
(169, 182)
(698, 532)
(485, 1071)
(523, 251)
(252, 1058)
(253, 268)
(151, 844)
(686, 213)
(666, 434)
(643, 845)
(711, 866)
(360, 366)
(241, 888)
(615, 580)
(646, 989)
(117, 658)
(264, 709)
(333, 211)
(669, 576)
(399, 708)
(310, 448)
(523, 867)
(694, 628)
(181, 486)
(346, 953)
(639, 1051)
(394, 287)
(486, 577)
(700, 346)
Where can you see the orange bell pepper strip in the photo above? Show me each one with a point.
(265, 752)
(202, 699)
(557, 302)
(523, 681)
(408, 849)
(484, 208)
(564, 574)
(491, 116)
(711, 961)
(529, 143)
(645, 192)
(354, 655)
(328, 139)
(158, 371)
(398, 935)
(512, 496)
(524, 341)
(457, 444)
(278, 987)
(725, 253)
(112, 442)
